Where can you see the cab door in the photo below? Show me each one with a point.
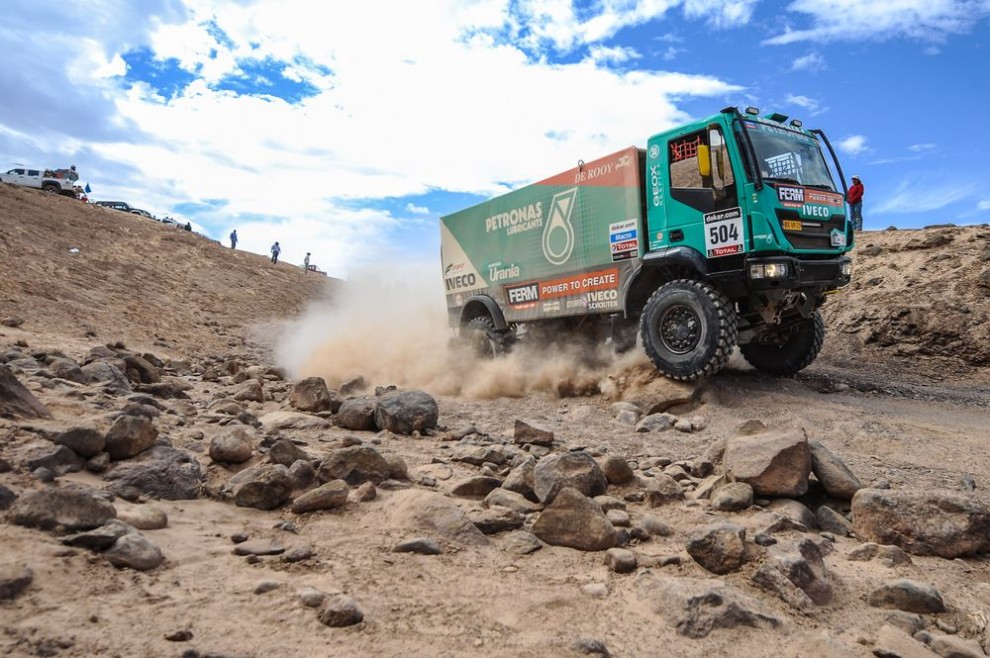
(703, 212)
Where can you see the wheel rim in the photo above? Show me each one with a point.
(680, 329)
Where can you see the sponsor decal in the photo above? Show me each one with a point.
(790, 197)
(623, 238)
(585, 174)
(823, 198)
(517, 220)
(792, 225)
(576, 303)
(816, 211)
(502, 272)
(456, 282)
(724, 232)
(558, 235)
(525, 294)
(656, 183)
(600, 300)
(579, 284)
(551, 306)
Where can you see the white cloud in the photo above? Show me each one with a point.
(984, 204)
(809, 62)
(615, 55)
(906, 199)
(721, 13)
(811, 104)
(921, 148)
(930, 21)
(417, 210)
(853, 145)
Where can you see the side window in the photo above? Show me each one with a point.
(33, 172)
(721, 165)
(684, 162)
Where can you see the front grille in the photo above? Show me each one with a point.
(812, 272)
(814, 234)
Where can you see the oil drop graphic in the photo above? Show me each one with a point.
(558, 235)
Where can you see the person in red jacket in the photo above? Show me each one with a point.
(855, 200)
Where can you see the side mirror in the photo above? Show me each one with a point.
(704, 161)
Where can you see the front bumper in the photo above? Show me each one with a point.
(801, 273)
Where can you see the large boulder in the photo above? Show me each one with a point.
(719, 548)
(354, 465)
(16, 400)
(311, 394)
(70, 510)
(232, 445)
(836, 478)
(575, 521)
(577, 470)
(265, 486)
(942, 523)
(773, 463)
(357, 414)
(426, 512)
(84, 441)
(172, 475)
(407, 412)
(130, 436)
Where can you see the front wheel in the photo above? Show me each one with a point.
(689, 329)
(788, 350)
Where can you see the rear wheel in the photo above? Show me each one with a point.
(484, 339)
(51, 188)
(688, 329)
(787, 350)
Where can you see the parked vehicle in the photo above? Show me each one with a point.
(54, 181)
(726, 231)
(125, 207)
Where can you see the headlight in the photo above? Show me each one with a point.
(768, 270)
(847, 267)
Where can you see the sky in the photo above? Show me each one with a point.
(346, 129)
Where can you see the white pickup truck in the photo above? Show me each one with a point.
(55, 181)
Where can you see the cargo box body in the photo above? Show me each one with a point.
(564, 246)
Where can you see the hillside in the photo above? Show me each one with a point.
(169, 486)
(84, 272)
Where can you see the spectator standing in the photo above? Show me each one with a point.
(276, 250)
(306, 262)
(855, 200)
(233, 239)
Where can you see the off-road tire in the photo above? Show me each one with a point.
(484, 340)
(688, 329)
(787, 351)
(52, 188)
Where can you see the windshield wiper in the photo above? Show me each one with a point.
(827, 188)
(781, 180)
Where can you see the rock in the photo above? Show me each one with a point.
(232, 445)
(407, 412)
(134, 551)
(496, 519)
(732, 497)
(84, 441)
(291, 420)
(526, 433)
(803, 565)
(130, 436)
(942, 523)
(773, 580)
(479, 455)
(108, 374)
(98, 539)
(355, 465)
(948, 646)
(697, 607)
(12, 321)
(311, 597)
(58, 459)
(434, 513)
(259, 547)
(618, 518)
(832, 472)
(831, 521)
(520, 479)
(287, 453)
(653, 525)
(476, 486)
(419, 545)
(310, 394)
(265, 486)
(892, 642)
(891, 556)
(147, 373)
(620, 560)
(397, 467)
(511, 500)
(590, 646)
(174, 475)
(298, 554)
(773, 463)
(576, 521)
(16, 400)
(663, 489)
(357, 414)
(617, 470)
(14, 580)
(521, 542)
(7, 497)
(67, 509)
(69, 370)
(340, 611)
(331, 495)
(719, 548)
(656, 423)
(143, 517)
(249, 391)
(907, 595)
(576, 470)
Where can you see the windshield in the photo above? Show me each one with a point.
(788, 156)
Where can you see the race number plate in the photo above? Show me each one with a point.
(724, 232)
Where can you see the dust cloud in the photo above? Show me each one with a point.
(391, 328)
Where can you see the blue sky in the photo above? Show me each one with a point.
(346, 129)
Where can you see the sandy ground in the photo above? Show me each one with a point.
(900, 393)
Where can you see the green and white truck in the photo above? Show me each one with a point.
(728, 231)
